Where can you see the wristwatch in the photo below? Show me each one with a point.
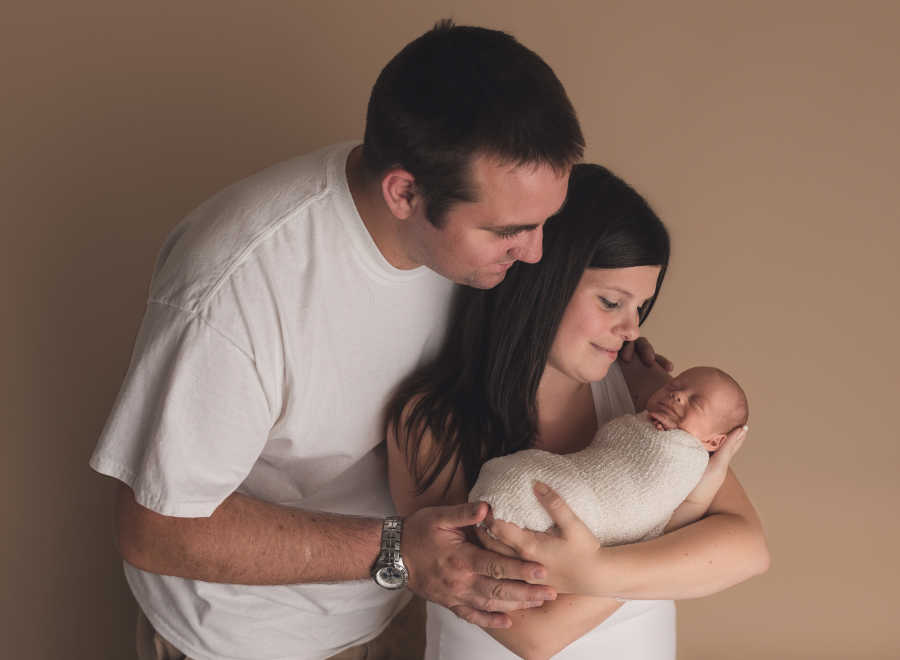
(389, 571)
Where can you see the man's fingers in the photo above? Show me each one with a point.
(508, 595)
(483, 619)
(497, 566)
(627, 351)
(463, 515)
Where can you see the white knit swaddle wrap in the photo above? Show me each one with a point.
(624, 485)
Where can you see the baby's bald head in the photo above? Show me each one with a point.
(704, 401)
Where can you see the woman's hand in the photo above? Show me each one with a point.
(718, 465)
(697, 503)
(568, 550)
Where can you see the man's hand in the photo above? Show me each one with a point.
(478, 585)
(645, 352)
(568, 550)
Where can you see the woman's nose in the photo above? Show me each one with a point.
(630, 329)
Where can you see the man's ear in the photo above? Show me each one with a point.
(398, 187)
(713, 443)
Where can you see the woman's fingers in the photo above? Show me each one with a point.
(490, 542)
(556, 506)
(644, 350)
(664, 362)
(509, 535)
(646, 353)
(731, 445)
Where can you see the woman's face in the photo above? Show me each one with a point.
(602, 314)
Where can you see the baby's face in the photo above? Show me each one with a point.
(698, 401)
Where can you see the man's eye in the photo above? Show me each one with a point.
(607, 303)
(509, 233)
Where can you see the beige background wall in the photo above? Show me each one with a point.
(765, 133)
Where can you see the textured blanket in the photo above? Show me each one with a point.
(624, 485)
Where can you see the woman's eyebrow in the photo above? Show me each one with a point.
(620, 290)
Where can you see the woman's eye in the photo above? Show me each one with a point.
(608, 304)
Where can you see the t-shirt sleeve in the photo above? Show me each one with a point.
(190, 420)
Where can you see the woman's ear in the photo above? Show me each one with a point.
(398, 187)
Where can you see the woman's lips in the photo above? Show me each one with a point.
(613, 354)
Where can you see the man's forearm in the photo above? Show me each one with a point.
(248, 541)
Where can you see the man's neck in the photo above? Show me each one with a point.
(382, 225)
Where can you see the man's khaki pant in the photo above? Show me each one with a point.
(403, 639)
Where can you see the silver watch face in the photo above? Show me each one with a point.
(391, 577)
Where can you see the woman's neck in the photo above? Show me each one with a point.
(565, 409)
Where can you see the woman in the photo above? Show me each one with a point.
(532, 363)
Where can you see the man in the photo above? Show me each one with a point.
(282, 312)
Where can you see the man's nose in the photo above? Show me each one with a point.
(531, 249)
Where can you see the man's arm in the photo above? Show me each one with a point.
(248, 541)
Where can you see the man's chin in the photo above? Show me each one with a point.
(485, 280)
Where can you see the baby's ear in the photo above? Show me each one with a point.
(714, 442)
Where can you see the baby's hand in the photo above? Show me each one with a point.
(658, 425)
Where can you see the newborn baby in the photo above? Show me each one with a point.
(637, 470)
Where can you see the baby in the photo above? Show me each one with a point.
(636, 472)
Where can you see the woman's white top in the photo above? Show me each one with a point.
(639, 630)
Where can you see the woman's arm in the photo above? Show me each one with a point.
(726, 547)
(542, 632)
(535, 633)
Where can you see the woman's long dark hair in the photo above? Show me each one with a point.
(477, 398)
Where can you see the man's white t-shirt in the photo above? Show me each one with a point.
(274, 333)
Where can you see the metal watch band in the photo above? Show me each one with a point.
(389, 572)
(390, 539)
